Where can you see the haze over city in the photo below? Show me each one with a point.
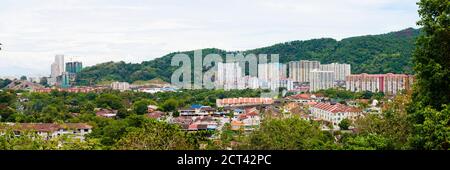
(33, 32)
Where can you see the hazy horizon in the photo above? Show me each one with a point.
(33, 32)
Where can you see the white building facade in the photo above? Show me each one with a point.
(321, 80)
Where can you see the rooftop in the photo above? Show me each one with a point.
(335, 108)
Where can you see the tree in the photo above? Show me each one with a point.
(23, 78)
(344, 124)
(393, 125)
(140, 107)
(434, 132)
(288, 134)
(169, 105)
(431, 57)
(109, 101)
(365, 142)
(430, 108)
(4, 82)
(43, 81)
(155, 135)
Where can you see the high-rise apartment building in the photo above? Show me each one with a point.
(321, 80)
(271, 71)
(57, 67)
(229, 75)
(386, 83)
(74, 67)
(299, 71)
(340, 70)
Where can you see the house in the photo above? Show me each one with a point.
(251, 118)
(151, 108)
(23, 85)
(192, 127)
(334, 113)
(236, 125)
(205, 123)
(107, 113)
(184, 122)
(197, 110)
(51, 130)
(158, 115)
(70, 90)
(303, 98)
(157, 90)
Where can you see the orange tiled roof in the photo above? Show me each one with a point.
(336, 107)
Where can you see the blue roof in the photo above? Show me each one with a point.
(196, 106)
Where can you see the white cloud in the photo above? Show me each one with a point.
(33, 31)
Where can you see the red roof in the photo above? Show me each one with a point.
(49, 127)
(301, 96)
(192, 127)
(245, 101)
(335, 108)
(155, 114)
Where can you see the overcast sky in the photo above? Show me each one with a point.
(93, 31)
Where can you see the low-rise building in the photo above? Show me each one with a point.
(51, 130)
(237, 125)
(251, 119)
(107, 113)
(122, 86)
(238, 102)
(158, 115)
(334, 113)
(197, 110)
(304, 98)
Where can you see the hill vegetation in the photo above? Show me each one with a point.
(391, 52)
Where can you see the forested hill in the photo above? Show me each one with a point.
(391, 52)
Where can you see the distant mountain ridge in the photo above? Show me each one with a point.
(384, 53)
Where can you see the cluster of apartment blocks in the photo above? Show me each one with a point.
(313, 74)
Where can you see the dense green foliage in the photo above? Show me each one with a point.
(383, 53)
(342, 94)
(431, 109)
(4, 82)
(288, 134)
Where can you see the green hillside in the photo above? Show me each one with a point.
(383, 53)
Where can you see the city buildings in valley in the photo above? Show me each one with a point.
(63, 74)
(387, 83)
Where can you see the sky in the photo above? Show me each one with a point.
(94, 31)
